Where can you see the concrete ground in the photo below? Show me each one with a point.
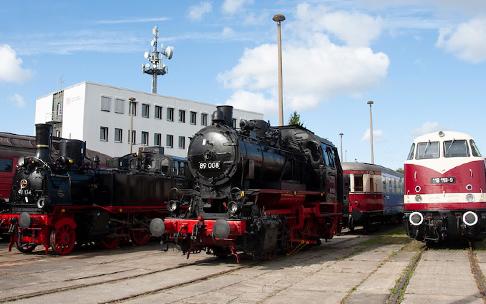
(347, 269)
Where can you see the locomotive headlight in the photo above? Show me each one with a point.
(470, 218)
(469, 198)
(233, 208)
(24, 220)
(416, 218)
(173, 206)
(418, 198)
(157, 227)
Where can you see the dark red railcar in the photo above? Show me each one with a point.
(375, 194)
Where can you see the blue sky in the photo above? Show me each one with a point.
(422, 62)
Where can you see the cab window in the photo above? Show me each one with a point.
(474, 149)
(358, 183)
(427, 150)
(330, 155)
(410, 154)
(456, 148)
(6, 165)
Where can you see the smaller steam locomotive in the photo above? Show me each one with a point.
(445, 184)
(260, 190)
(58, 202)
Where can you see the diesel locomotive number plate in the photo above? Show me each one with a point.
(213, 165)
(443, 180)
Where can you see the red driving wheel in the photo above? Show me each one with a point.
(140, 236)
(63, 236)
(110, 242)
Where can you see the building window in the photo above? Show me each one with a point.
(133, 137)
(158, 112)
(234, 123)
(119, 106)
(182, 142)
(182, 116)
(204, 119)
(59, 109)
(103, 134)
(118, 135)
(133, 108)
(170, 141)
(170, 114)
(145, 110)
(193, 118)
(157, 139)
(105, 103)
(145, 138)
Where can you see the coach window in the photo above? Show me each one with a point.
(410, 154)
(456, 148)
(6, 165)
(358, 182)
(474, 149)
(427, 150)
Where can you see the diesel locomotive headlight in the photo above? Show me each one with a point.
(470, 218)
(416, 218)
(469, 198)
(418, 198)
(233, 208)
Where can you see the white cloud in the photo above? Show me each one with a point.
(227, 32)
(18, 100)
(250, 101)
(354, 29)
(377, 135)
(427, 127)
(466, 41)
(231, 7)
(132, 20)
(11, 69)
(196, 12)
(314, 67)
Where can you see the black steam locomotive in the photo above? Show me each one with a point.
(68, 199)
(259, 190)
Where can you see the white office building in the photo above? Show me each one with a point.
(100, 115)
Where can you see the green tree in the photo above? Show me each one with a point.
(399, 170)
(294, 120)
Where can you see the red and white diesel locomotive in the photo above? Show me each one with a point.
(445, 181)
(375, 195)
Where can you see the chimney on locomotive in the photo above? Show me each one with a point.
(43, 141)
(224, 114)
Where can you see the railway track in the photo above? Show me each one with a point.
(123, 277)
(406, 289)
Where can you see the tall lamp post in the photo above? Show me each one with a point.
(341, 144)
(370, 102)
(278, 19)
(156, 67)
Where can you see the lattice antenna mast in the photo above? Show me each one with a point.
(156, 67)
